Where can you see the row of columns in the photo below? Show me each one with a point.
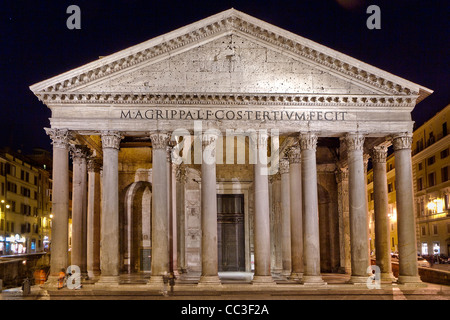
(354, 177)
(300, 253)
(299, 223)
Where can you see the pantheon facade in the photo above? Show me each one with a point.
(229, 145)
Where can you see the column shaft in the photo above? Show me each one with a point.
(210, 260)
(380, 193)
(286, 261)
(344, 221)
(60, 202)
(275, 223)
(262, 213)
(160, 205)
(406, 224)
(93, 219)
(181, 221)
(358, 208)
(311, 248)
(296, 212)
(109, 253)
(79, 208)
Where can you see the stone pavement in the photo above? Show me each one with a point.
(238, 288)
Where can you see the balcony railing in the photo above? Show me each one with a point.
(434, 216)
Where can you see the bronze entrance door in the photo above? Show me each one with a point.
(230, 232)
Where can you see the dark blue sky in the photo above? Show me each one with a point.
(35, 43)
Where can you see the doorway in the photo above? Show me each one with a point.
(230, 232)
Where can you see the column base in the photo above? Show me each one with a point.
(387, 277)
(107, 281)
(411, 281)
(313, 281)
(277, 271)
(296, 276)
(263, 280)
(93, 275)
(209, 281)
(52, 282)
(358, 280)
(156, 281)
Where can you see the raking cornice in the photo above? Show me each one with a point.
(229, 22)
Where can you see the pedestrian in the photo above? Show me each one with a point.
(42, 277)
(61, 278)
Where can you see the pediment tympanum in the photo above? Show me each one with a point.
(231, 64)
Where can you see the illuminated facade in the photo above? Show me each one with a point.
(25, 207)
(431, 169)
(431, 165)
(227, 145)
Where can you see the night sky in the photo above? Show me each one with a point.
(35, 44)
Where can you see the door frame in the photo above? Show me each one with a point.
(236, 220)
(240, 187)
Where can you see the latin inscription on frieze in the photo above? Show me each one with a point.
(235, 114)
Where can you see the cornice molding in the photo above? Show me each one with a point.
(228, 99)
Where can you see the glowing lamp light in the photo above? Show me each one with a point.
(436, 205)
(393, 216)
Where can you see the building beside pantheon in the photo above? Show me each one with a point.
(228, 145)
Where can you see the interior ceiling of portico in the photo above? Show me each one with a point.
(138, 148)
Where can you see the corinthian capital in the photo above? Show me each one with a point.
(111, 139)
(354, 141)
(181, 174)
(260, 139)
(94, 165)
(294, 154)
(60, 137)
(378, 154)
(160, 139)
(79, 151)
(284, 165)
(308, 141)
(209, 140)
(402, 141)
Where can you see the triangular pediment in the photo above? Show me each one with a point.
(230, 64)
(228, 53)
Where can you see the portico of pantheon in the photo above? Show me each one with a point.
(229, 145)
